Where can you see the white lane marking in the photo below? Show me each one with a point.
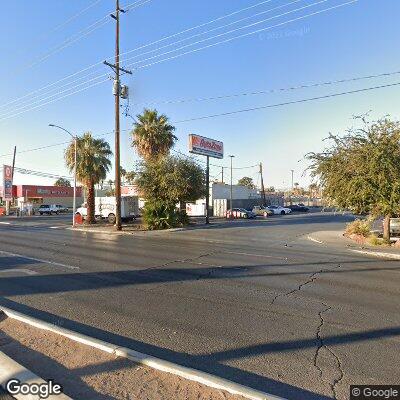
(378, 254)
(56, 264)
(255, 255)
(25, 271)
(57, 227)
(315, 240)
(5, 223)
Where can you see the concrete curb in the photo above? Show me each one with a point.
(144, 232)
(378, 254)
(10, 369)
(145, 359)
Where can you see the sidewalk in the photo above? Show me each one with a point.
(336, 239)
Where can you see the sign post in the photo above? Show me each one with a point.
(7, 186)
(209, 148)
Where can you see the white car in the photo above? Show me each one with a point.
(48, 209)
(280, 210)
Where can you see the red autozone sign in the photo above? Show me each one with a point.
(7, 182)
(206, 146)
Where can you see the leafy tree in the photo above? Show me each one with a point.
(165, 182)
(93, 163)
(361, 170)
(171, 179)
(62, 182)
(246, 181)
(270, 189)
(152, 135)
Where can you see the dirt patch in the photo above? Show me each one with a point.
(88, 373)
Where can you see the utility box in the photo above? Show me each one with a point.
(124, 92)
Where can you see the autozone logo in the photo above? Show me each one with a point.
(206, 146)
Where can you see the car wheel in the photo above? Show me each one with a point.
(41, 213)
(245, 216)
(57, 212)
(111, 218)
(283, 212)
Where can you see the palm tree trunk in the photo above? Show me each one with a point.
(386, 228)
(90, 218)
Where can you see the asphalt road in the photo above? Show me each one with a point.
(256, 302)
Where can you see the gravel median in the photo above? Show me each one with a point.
(88, 373)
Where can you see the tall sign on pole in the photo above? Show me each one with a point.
(209, 148)
(7, 182)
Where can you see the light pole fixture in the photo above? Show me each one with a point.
(75, 139)
(231, 202)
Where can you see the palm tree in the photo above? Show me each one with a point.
(152, 135)
(93, 163)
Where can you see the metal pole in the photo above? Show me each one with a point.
(231, 200)
(74, 202)
(75, 138)
(222, 175)
(262, 187)
(118, 224)
(291, 193)
(207, 190)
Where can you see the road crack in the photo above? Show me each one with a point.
(321, 345)
(311, 279)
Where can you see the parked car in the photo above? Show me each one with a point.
(260, 210)
(299, 208)
(60, 208)
(240, 213)
(280, 210)
(48, 209)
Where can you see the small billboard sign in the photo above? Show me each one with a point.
(206, 146)
(7, 182)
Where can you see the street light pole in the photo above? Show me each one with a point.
(231, 202)
(291, 193)
(75, 138)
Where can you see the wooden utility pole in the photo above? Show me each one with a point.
(117, 92)
(262, 186)
(118, 224)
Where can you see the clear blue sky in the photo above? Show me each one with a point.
(355, 40)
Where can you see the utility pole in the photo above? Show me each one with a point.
(117, 92)
(231, 202)
(222, 174)
(262, 186)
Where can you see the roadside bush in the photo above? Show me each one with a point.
(359, 227)
(163, 215)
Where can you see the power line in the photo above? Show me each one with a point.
(29, 103)
(238, 37)
(191, 51)
(50, 145)
(131, 6)
(138, 48)
(261, 92)
(216, 36)
(231, 113)
(221, 27)
(287, 103)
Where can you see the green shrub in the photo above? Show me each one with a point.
(162, 215)
(374, 240)
(359, 227)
